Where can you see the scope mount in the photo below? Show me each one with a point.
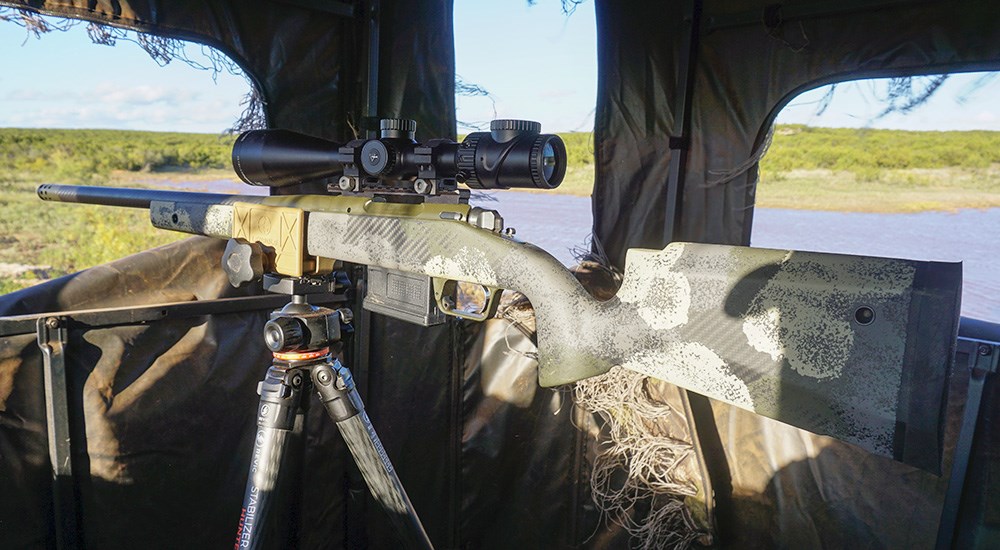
(377, 157)
(444, 191)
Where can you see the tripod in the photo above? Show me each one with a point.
(305, 340)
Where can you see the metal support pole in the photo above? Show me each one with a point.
(983, 360)
(371, 107)
(680, 141)
(357, 508)
(52, 339)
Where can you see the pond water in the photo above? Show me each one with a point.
(968, 236)
(561, 223)
(208, 186)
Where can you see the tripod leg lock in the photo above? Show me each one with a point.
(335, 386)
(279, 398)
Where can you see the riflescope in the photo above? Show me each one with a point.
(514, 153)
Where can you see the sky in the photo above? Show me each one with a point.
(546, 70)
(63, 80)
(963, 102)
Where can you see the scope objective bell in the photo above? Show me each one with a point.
(279, 158)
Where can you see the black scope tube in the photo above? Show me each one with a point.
(279, 158)
(513, 154)
(128, 198)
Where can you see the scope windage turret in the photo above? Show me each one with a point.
(512, 154)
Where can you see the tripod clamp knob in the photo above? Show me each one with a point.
(243, 262)
(284, 334)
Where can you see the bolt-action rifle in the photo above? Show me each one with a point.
(835, 344)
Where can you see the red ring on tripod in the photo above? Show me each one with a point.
(303, 356)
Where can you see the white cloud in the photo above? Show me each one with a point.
(123, 111)
(986, 116)
(107, 105)
(38, 95)
(142, 94)
(556, 94)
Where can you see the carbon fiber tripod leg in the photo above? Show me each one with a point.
(280, 395)
(335, 386)
(301, 337)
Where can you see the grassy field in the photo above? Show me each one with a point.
(91, 155)
(41, 241)
(807, 168)
(854, 170)
(880, 170)
(45, 240)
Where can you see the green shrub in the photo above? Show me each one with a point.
(866, 174)
(862, 151)
(86, 155)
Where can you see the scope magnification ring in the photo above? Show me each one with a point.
(535, 164)
(466, 161)
(399, 124)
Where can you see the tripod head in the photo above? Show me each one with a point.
(301, 331)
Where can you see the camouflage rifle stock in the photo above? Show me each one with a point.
(852, 347)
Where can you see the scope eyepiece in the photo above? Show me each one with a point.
(513, 154)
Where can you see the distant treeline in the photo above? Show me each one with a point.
(804, 147)
(80, 155)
